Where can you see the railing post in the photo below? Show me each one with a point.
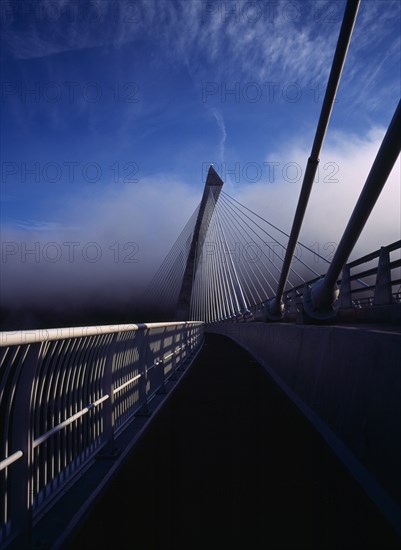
(108, 405)
(21, 499)
(160, 365)
(143, 384)
(174, 358)
(162, 388)
(186, 341)
(383, 295)
(293, 302)
(345, 299)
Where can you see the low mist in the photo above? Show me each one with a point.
(94, 265)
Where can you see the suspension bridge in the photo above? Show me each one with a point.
(265, 414)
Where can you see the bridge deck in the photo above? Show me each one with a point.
(229, 462)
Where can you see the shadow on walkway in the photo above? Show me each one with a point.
(230, 463)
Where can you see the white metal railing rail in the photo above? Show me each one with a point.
(65, 394)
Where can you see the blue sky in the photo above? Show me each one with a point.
(111, 112)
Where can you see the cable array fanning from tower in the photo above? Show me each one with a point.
(236, 262)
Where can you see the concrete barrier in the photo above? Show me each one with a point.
(347, 380)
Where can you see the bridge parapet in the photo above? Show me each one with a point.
(65, 395)
(347, 381)
(369, 291)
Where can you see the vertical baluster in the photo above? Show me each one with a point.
(22, 438)
(107, 389)
(345, 299)
(383, 295)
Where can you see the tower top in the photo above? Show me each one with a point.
(213, 178)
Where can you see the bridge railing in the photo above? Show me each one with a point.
(65, 394)
(373, 280)
(383, 289)
(362, 284)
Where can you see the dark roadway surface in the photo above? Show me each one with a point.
(230, 463)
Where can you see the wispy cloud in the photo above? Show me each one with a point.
(273, 41)
(32, 226)
(278, 41)
(223, 133)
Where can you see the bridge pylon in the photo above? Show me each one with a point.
(210, 196)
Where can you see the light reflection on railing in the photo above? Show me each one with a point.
(67, 393)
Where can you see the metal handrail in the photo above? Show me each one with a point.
(6, 462)
(41, 439)
(19, 337)
(372, 255)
